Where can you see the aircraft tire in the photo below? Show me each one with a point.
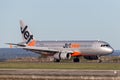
(76, 59)
(56, 60)
(99, 61)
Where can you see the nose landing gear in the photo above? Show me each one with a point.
(99, 59)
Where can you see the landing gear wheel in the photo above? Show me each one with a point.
(56, 60)
(76, 59)
(99, 60)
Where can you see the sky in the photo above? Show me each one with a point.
(61, 20)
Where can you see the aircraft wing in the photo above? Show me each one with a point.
(46, 50)
(40, 49)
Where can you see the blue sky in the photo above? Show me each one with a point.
(61, 20)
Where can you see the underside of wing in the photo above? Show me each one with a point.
(41, 50)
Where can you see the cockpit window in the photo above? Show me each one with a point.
(105, 45)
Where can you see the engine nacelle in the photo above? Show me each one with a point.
(91, 57)
(62, 55)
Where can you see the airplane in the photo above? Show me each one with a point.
(60, 50)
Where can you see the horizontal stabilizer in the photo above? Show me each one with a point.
(21, 45)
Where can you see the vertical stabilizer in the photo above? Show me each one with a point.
(26, 34)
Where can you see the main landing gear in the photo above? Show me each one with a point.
(76, 59)
(56, 60)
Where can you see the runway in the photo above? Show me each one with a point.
(59, 74)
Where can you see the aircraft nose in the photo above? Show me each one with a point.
(109, 50)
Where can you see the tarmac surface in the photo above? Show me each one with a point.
(58, 74)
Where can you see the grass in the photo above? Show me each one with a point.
(80, 66)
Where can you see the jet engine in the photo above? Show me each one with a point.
(91, 57)
(62, 55)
